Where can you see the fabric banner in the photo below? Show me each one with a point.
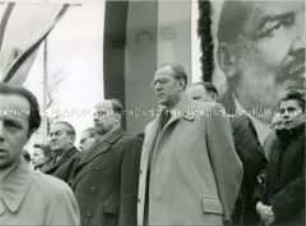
(23, 28)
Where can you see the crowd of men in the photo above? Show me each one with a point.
(200, 161)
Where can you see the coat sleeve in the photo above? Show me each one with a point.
(63, 208)
(225, 162)
(290, 199)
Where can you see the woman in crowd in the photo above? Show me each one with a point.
(41, 157)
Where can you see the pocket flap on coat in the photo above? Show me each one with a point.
(211, 204)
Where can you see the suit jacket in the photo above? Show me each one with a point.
(96, 180)
(228, 102)
(254, 162)
(285, 187)
(129, 184)
(194, 175)
(53, 168)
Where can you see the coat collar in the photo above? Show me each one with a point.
(102, 146)
(15, 187)
(52, 165)
(183, 110)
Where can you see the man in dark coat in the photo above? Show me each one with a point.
(96, 178)
(283, 200)
(62, 137)
(254, 162)
(129, 184)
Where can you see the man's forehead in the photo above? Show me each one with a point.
(163, 72)
(59, 127)
(289, 103)
(14, 105)
(167, 69)
(104, 106)
(197, 87)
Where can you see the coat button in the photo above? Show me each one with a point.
(93, 190)
(97, 168)
(139, 200)
(88, 214)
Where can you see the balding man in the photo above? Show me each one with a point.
(190, 173)
(203, 91)
(96, 178)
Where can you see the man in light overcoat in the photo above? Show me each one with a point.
(190, 173)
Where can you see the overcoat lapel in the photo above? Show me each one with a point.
(99, 149)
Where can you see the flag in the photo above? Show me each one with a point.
(23, 27)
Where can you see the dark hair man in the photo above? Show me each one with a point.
(262, 53)
(61, 140)
(283, 201)
(97, 178)
(184, 178)
(27, 197)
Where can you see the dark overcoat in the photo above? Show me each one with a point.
(97, 177)
(129, 184)
(254, 162)
(285, 187)
(53, 167)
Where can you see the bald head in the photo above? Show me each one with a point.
(107, 115)
(203, 91)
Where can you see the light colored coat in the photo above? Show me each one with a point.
(195, 173)
(32, 198)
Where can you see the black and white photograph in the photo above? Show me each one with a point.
(152, 112)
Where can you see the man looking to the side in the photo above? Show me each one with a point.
(27, 197)
(203, 91)
(62, 138)
(190, 173)
(88, 139)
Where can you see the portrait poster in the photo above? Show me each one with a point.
(256, 53)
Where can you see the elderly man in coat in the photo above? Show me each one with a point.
(190, 173)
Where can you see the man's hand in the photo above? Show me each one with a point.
(265, 212)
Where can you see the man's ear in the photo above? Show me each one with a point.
(227, 60)
(118, 118)
(182, 84)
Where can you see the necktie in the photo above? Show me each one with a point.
(165, 116)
